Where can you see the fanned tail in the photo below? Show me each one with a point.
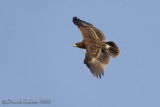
(113, 49)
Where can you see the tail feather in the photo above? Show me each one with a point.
(113, 49)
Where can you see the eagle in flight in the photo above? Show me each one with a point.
(98, 51)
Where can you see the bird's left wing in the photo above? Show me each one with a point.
(96, 60)
(88, 30)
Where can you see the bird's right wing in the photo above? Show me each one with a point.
(88, 30)
(96, 60)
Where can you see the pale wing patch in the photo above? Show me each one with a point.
(107, 46)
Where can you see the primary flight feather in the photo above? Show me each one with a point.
(98, 51)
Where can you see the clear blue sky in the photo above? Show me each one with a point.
(38, 60)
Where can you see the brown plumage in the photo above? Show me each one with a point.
(98, 51)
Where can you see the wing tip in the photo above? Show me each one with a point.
(78, 20)
(75, 19)
(98, 74)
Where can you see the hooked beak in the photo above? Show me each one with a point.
(74, 45)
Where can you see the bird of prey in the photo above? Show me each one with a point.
(98, 51)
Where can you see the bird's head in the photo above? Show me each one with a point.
(79, 45)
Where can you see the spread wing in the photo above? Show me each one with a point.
(88, 30)
(96, 60)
